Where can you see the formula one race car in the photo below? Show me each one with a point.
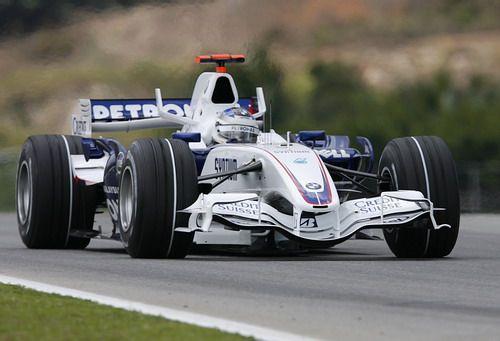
(225, 180)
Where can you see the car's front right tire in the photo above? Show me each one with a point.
(425, 164)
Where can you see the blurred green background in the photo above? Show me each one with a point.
(379, 68)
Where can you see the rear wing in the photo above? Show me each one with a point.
(101, 115)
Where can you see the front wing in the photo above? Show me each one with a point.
(245, 211)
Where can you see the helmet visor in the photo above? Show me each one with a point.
(238, 133)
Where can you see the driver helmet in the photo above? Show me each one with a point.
(236, 125)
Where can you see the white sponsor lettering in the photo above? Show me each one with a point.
(100, 112)
(149, 110)
(118, 111)
(173, 109)
(244, 208)
(133, 109)
(376, 204)
(334, 153)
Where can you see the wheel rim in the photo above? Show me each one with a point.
(24, 192)
(386, 173)
(127, 199)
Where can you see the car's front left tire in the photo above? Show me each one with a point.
(157, 179)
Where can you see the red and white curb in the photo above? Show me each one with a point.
(244, 329)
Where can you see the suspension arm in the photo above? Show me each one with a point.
(338, 169)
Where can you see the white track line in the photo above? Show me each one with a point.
(260, 333)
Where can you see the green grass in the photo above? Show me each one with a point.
(30, 315)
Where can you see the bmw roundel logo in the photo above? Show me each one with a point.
(313, 185)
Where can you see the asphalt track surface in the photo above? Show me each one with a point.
(356, 290)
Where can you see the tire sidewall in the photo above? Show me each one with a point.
(126, 233)
(26, 157)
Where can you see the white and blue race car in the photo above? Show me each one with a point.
(225, 180)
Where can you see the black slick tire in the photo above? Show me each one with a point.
(43, 192)
(425, 164)
(158, 178)
(49, 202)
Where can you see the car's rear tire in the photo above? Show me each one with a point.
(158, 178)
(48, 201)
(425, 164)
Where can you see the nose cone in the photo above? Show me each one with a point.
(311, 181)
